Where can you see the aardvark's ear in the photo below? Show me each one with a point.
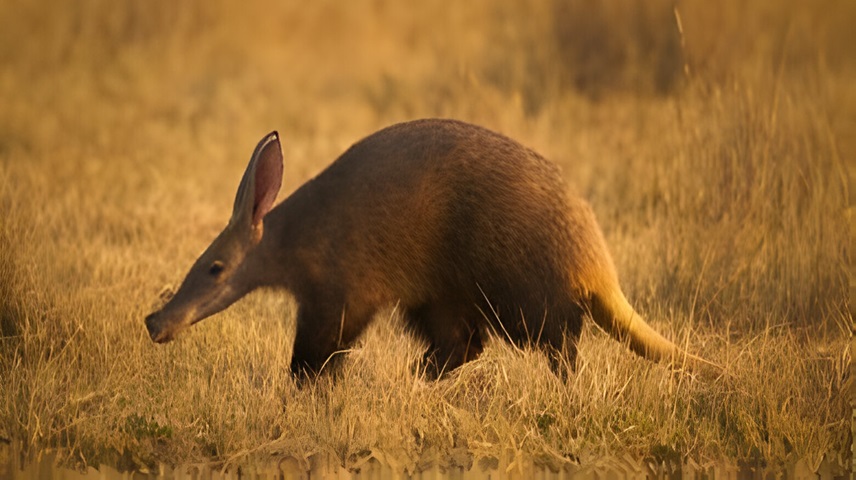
(260, 183)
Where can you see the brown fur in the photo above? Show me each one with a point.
(465, 229)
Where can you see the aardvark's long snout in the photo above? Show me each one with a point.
(156, 329)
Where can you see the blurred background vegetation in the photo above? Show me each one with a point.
(735, 117)
(715, 141)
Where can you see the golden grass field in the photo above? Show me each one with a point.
(714, 140)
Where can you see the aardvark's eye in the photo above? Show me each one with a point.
(216, 268)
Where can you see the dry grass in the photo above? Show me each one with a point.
(718, 161)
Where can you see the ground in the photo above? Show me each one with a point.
(715, 142)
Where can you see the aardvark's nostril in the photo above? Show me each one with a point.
(152, 326)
